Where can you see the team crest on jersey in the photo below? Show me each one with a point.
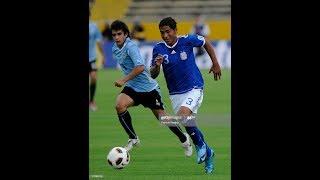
(183, 55)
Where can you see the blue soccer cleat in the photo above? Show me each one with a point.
(209, 164)
(201, 153)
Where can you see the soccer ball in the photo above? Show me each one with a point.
(118, 157)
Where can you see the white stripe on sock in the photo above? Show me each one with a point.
(128, 127)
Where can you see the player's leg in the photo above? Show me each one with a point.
(183, 105)
(183, 137)
(195, 135)
(175, 129)
(124, 101)
(204, 152)
(93, 85)
(188, 104)
(191, 130)
(152, 100)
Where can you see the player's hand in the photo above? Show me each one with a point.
(159, 60)
(103, 61)
(119, 83)
(215, 69)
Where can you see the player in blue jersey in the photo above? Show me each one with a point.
(184, 80)
(95, 40)
(139, 87)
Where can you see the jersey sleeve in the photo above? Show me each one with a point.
(196, 40)
(134, 53)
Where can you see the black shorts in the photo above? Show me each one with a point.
(92, 66)
(150, 99)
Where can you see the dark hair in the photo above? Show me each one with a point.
(119, 25)
(168, 21)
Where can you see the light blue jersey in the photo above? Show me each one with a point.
(129, 57)
(94, 37)
(179, 66)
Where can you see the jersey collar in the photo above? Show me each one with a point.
(124, 44)
(172, 45)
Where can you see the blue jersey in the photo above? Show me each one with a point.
(94, 36)
(179, 66)
(129, 57)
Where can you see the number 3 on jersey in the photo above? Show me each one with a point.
(189, 101)
(165, 58)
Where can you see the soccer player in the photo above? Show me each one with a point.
(139, 87)
(95, 40)
(184, 80)
(202, 29)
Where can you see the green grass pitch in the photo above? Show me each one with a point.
(160, 155)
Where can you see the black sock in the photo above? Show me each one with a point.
(92, 91)
(178, 132)
(125, 120)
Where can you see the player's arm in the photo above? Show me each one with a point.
(134, 53)
(215, 68)
(136, 71)
(99, 41)
(100, 48)
(155, 69)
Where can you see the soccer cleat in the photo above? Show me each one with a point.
(131, 143)
(201, 153)
(187, 146)
(93, 106)
(209, 164)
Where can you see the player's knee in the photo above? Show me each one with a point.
(93, 81)
(184, 111)
(93, 76)
(158, 113)
(120, 107)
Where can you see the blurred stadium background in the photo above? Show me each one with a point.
(161, 156)
(216, 14)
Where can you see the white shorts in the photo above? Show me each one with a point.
(191, 99)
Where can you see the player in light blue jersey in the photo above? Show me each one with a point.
(139, 87)
(95, 40)
(184, 80)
